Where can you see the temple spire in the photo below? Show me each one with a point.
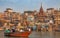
(41, 9)
(41, 4)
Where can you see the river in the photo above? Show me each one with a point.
(35, 34)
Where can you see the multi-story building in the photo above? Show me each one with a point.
(57, 19)
(54, 15)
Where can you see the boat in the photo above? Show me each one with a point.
(18, 34)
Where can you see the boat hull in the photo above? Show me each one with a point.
(18, 34)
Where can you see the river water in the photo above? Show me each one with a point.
(35, 34)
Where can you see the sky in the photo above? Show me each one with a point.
(24, 5)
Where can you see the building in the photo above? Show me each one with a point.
(57, 19)
(54, 15)
(41, 18)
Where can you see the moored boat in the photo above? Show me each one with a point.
(19, 34)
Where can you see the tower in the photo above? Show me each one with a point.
(41, 10)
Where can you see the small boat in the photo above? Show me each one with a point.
(18, 34)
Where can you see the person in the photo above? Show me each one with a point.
(34, 27)
(13, 30)
(21, 30)
(7, 31)
(29, 29)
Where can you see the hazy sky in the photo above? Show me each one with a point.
(21, 5)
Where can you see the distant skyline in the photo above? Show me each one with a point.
(24, 5)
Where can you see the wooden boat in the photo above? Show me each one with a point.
(18, 34)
